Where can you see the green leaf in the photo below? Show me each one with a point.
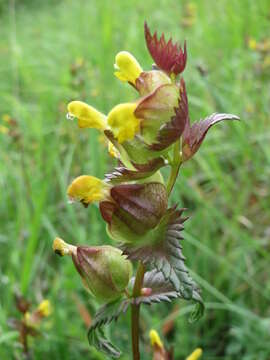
(105, 315)
(165, 255)
(123, 174)
(101, 343)
(159, 289)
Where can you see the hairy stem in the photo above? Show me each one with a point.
(175, 166)
(135, 312)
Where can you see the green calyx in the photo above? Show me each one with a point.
(104, 270)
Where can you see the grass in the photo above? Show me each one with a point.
(225, 187)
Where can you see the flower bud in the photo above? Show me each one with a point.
(88, 117)
(105, 272)
(134, 210)
(128, 68)
(148, 81)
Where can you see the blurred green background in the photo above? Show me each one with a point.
(54, 51)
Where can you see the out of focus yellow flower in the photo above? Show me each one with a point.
(45, 308)
(123, 122)
(6, 118)
(34, 319)
(155, 339)
(190, 15)
(252, 43)
(87, 189)
(195, 355)
(88, 117)
(128, 68)
(3, 129)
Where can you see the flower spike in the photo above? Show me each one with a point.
(168, 56)
(127, 67)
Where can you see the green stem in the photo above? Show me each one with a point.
(175, 167)
(135, 312)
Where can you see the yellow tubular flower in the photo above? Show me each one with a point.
(45, 308)
(87, 189)
(196, 354)
(88, 117)
(155, 339)
(123, 122)
(128, 68)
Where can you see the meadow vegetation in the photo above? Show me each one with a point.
(57, 51)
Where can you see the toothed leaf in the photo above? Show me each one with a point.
(134, 151)
(104, 316)
(195, 134)
(100, 342)
(122, 174)
(165, 254)
(159, 289)
(168, 56)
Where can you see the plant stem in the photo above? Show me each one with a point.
(175, 167)
(135, 312)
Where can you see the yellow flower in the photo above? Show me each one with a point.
(60, 247)
(6, 118)
(123, 122)
(88, 117)
(87, 189)
(252, 43)
(196, 354)
(113, 151)
(128, 68)
(3, 129)
(45, 308)
(155, 339)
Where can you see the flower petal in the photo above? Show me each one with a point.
(123, 122)
(195, 355)
(128, 68)
(87, 189)
(88, 117)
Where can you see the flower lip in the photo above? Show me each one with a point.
(127, 67)
(88, 116)
(87, 189)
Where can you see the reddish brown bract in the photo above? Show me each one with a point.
(173, 129)
(168, 56)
